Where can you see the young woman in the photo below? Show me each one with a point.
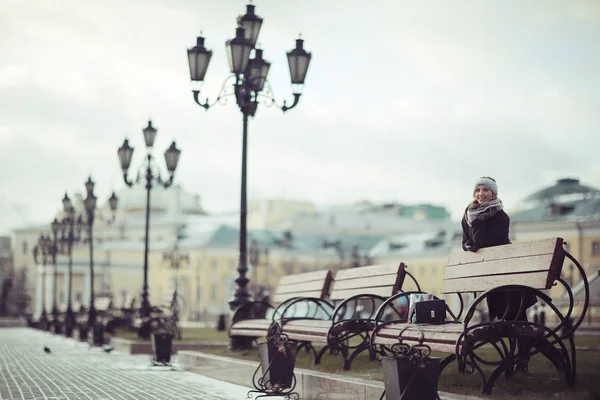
(485, 224)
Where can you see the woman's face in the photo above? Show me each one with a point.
(483, 193)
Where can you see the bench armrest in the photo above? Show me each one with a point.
(251, 310)
(304, 307)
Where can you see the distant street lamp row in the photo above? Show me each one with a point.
(248, 83)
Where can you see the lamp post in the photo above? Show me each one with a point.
(71, 233)
(172, 154)
(90, 212)
(56, 227)
(41, 253)
(248, 83)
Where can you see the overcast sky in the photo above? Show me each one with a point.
(404, 101)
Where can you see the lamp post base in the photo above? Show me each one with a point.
(69, 323)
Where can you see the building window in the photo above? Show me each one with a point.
(214, 263)
(213, 295)
(422, 271)
(434, 270)
(232, 265)
(595, 248)
(25, 248)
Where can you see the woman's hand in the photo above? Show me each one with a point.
(468, 246)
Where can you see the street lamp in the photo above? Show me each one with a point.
(71, 233)
(56, 228)
(41, 253)
(172, 154)
(248, 83)
(90, 212)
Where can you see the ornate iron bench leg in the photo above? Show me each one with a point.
(309, 348)
(321, 354)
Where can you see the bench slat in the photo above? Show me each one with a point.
(516, 250)
(311, 286)
(301, 337)
(304, 277)
(536, 280)
(366, 282)
(344, 294)
(248, 332)
(397, 327)
(280, 298)
(435, 346)
(307, 322)
(500, 267)
(252, 323)
(371, 270)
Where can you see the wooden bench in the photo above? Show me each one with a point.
(252, 320)
(357, 293)
(523, 269)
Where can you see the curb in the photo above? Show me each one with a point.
(12, 323)
(310, 385)
(129, 346)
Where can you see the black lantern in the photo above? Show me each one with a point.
(149, 135)
(251, 24)
(66, 203)
(238, 51)
(90, 203)
(125, 153)
(298, 60)
(113, 201)
(89, 185)
(258, 69)
(172, 157)
(56, 226)
(198, 58)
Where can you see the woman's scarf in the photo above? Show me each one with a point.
(490, 206)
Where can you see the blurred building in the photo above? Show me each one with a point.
(284, 237)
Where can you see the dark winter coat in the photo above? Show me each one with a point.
(489, 230)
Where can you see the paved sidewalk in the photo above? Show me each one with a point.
(74, 371)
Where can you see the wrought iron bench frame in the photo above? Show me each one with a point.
(346, 316)
(556, 344)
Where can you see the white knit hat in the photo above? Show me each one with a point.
(487, 182)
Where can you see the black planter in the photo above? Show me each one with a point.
(410, 378)
(83, 332)
(98, 335)
(277, 362)
(162, 347)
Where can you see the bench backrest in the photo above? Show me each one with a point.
(382, 280)
(536, 264)
(309, 284)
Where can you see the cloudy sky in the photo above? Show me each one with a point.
(405, 101)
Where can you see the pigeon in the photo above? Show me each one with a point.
(108, 349)
(47, 350)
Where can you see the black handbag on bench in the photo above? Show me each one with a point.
(430, 312)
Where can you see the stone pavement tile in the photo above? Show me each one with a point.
(73, 371)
